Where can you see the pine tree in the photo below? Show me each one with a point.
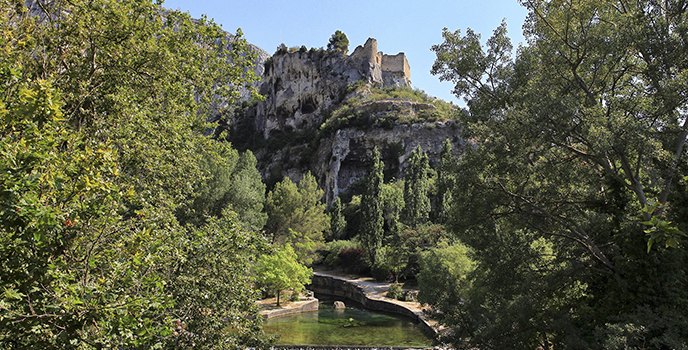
(337, 220)
(371, 208)
(338, 42)
(417, 188)
(445, 182)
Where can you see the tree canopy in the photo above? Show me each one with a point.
(281, 270)
(372, 215)
(338, 42)
(297, 215)
(103, 108)
(573, 199)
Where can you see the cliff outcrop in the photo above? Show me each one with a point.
(325, 111)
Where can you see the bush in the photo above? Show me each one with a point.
(444, 276)
(395, 291)
(346, 255)
(294, 295)
(354, 260)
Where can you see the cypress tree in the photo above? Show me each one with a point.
(337, 220)
(445, 182)
(371, 208)
(417, 188)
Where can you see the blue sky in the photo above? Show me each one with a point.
(398, 25)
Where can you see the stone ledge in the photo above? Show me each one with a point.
(297, 307)
(342, 287)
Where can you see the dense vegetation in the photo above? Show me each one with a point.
(562, 226)
(121, 225)
(573, 203)
(355, 110)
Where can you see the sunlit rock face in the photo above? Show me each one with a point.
(289, 130)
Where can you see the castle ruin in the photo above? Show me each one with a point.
(385, 70)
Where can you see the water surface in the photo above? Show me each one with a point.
(353, 326)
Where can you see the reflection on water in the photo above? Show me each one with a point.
(352, 326)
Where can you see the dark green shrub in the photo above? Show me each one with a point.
(395, 291)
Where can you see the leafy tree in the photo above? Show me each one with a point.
(206, 283)
(337, 219)
(392, 204)
(372, 226)
(281, 270)
(390, 261)
(353, 216)
(571, 199)
(297, 216)
(246, 196)
(102, 146)
(338, 42)
(417, 188)
(414, 241)
(444, 276)
(445, 182)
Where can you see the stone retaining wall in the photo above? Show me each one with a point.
(329, 285)
(293, 308)
(337, 347)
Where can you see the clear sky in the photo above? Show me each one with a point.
(398, 25)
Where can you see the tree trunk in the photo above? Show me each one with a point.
(278, 295)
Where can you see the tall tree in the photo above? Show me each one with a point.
(392, 205)
(573, 198)
(417, 188)
(372, 226)
(101, 146)
(337, 219)
(297, 215)
(281, 270)
(445, 182)
(338, 42)
(246, 195)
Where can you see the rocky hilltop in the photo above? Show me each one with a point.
(324, 111)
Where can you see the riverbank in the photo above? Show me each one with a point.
(371, 294)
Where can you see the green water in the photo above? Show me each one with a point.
(353, 326)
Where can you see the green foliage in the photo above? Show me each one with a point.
(581, 150)
(337, 219)
(395, 291)
(445, 183)
(352, 112)
(372, 215)
(444, 276)
(390, 261)
(392, 205)
(297, 216)
(281, 270)
(206, 282)
(338, 42)
(247, 193)
(102, 148)
(417, 189)
(348, 256)
(416, 240)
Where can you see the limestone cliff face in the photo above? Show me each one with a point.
(301, 86)
(292, 131)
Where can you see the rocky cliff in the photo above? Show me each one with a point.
(324, 111)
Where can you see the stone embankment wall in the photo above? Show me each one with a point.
(293, 308)
(335, 347)
(341, 288)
